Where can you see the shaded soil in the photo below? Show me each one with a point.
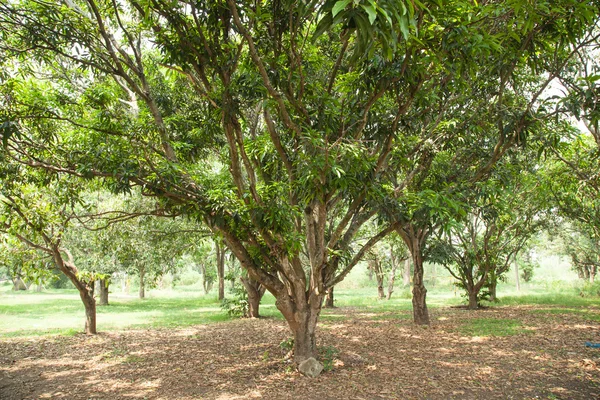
(381, 356)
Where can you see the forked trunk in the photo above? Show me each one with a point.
(19, 284)
(329, 302)
(255, 293)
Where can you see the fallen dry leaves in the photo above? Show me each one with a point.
(380, 357)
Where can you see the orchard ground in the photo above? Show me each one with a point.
(178, 344)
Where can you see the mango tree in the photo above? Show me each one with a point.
(280, 125)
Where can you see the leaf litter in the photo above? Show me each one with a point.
(377, 356)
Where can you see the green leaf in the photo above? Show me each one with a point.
(371, 11)
(403, 21)
(339, 6)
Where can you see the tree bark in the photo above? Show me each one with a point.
(19, 284)
(493, 286)
(406, 273)
(103, 292)
(414, 237)
(221, 269)
(329, 303)
(255, 293)
(392, 276)
(142, 292)
(90, 310)
(85, 289)
(375, 266)
(473, 303)
(302, 316)
(420, 311)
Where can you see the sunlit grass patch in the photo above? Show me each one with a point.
(491, 327)
(559, 299)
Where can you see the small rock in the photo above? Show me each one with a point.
(310, 367)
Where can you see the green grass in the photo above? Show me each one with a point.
(60, 312)
(558, 299)
(491, 327)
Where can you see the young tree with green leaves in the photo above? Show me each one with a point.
(38, 217)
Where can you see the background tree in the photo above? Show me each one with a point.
(38, 217)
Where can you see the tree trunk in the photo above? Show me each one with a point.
(473, 304)
(103, 292)
(406, 273)
(85, 289)
(142, 292)
(493, 286)
(329, 299)
(517, 279)
(221, 269)
(255, 293)
(420, 312)
(90, 311)
(39, 287)
(375, 266)
(592, 273)
(392, 276)
(19, 284)
(302, 316)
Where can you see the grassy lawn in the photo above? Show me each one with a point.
(61, 312)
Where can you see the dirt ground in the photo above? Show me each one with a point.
(380, 356)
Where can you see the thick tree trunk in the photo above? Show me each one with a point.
(103, 292)
(255, 293)
(329, 302)
(39, 287)
(473, 303)
(406, 273)
(221, 269)
(302, 316)
(142, 292)
(420, 312)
